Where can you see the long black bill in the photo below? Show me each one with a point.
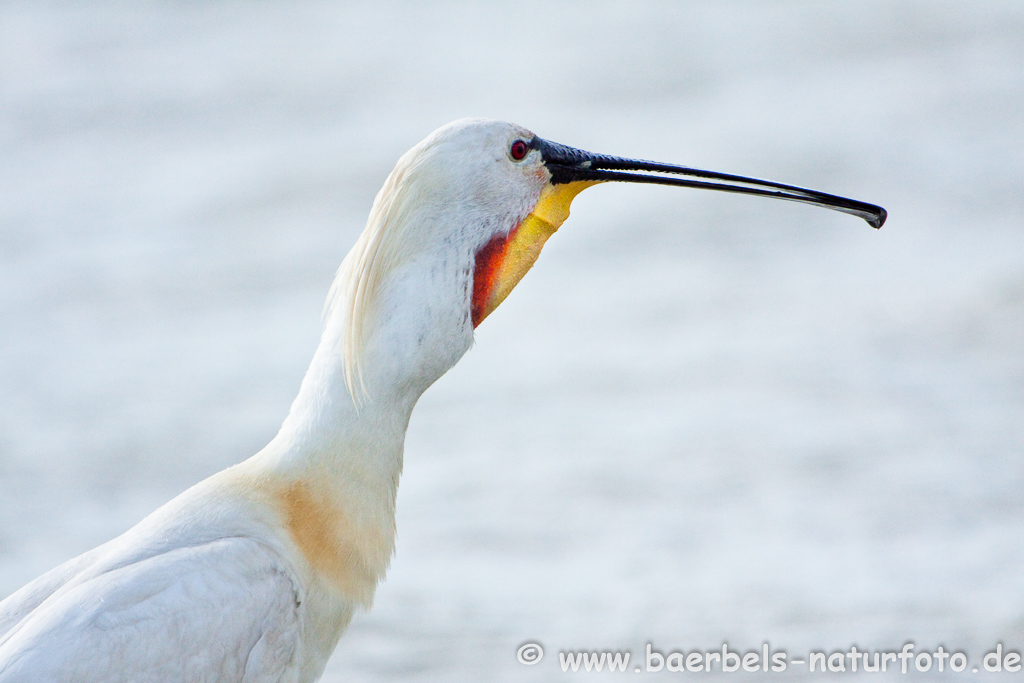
(567, 164)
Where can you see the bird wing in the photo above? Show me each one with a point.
(19, 604)
(227, 610)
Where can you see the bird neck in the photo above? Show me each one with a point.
(333, 469)
(337, 447)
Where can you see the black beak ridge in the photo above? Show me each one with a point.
(568, 164)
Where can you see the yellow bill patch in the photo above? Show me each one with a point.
(503, 263)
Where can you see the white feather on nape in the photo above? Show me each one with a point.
(383, 245)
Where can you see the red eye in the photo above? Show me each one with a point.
(519, 150)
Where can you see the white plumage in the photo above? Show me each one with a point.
(253, 574)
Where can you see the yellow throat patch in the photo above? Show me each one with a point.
(503, 261)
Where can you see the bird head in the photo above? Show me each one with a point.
(464, 216)
(566, 171)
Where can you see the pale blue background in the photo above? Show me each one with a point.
(702, 417)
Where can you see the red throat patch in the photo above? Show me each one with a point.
(488, 262)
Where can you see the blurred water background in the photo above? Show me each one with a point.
(702, 417)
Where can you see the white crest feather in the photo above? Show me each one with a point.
(377, 252)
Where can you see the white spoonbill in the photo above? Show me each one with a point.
(253, 574)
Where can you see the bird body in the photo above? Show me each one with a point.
(253, 574)
(162, 602)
